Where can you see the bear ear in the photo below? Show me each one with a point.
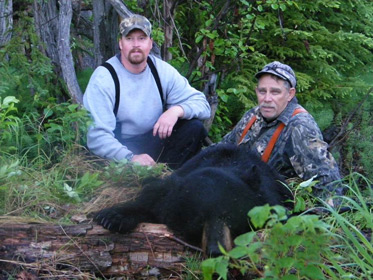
(252, 177)
(253, 171)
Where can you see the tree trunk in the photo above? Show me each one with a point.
(168, 16)
(53, 28)
(6, 21)
(64, 52)
(46, 24)
(212, 98)
(121, 9)
(106, 30)
(88, 248)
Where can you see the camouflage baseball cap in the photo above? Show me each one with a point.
(135, 22)
(280, 70)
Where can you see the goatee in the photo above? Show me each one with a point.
(136, 57)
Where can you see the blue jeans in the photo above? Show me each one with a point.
(185, 141)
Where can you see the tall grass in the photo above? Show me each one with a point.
(354, 230)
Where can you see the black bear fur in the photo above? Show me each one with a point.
(212, 191)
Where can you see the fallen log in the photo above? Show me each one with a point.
(88, 248)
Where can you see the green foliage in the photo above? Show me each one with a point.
(8, 169)
(83, 78)
(58, 127)
(327, 47)
(192, 268)
(359, 138)
(324, 116)
(64, 124)
(304, 246)
(302, 193)
(8, 122)
(329, 44)
(125, 173)
(291, 250)
(25, 71)
(47, 191)
(83, 189)
(41, 123)
(352, 230)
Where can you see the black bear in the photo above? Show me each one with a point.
(209, 196)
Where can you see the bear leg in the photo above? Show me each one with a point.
(123, 218)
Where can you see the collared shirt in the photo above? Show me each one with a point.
(299, 151)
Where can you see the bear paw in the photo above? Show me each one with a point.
(110, 219)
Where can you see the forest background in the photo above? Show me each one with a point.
(49, 49)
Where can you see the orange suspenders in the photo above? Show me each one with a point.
(267, 152)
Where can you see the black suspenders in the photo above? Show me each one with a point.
(117, 86)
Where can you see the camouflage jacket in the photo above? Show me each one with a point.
(299, 151)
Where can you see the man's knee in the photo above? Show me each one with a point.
(193, 127)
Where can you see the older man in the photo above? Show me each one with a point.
(283, 133)
(158, 116)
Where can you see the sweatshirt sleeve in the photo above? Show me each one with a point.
(99, 100)
(178, 91)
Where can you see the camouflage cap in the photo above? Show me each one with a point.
(280, 70)
(135, 22)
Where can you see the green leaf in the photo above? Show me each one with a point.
(209, 22)
(47, 112)
(70, 192)
(286, 262)
(313, 272)
(300, 205)
(282, 7)
(9, 99)
(308, 183)
(259, 215)
(222, 268)
(238, 252)
(199, 38)
(244, 239)
(73, 107)
(208, 268)
(290, 277)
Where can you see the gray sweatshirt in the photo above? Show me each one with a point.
(140, 104)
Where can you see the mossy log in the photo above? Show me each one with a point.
(88, 248)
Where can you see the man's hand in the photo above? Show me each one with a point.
(143, 159)
(163, 127)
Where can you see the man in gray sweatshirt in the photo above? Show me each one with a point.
(142, 129)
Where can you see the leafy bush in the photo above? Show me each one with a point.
(305, 246)
(9, 122)
(58, 128)
(293, 250)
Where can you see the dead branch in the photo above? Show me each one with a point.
(343, 129)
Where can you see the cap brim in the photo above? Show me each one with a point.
(261, 73)
(133, 27)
